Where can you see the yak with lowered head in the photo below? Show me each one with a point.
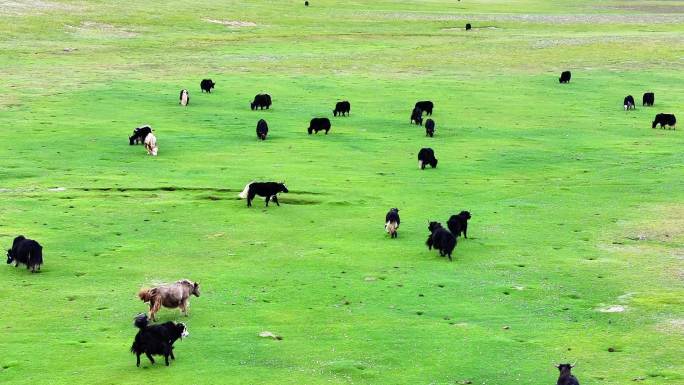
(27, 252)
(426, 106)
(417, 116)
(262, 129)
(342, 108)
(269, 190)
(319, 124)
(441, 239)
(261, 101)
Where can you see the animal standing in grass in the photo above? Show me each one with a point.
(426, 106)
(319, 124)
(458, 224)
(261, 101)
(565, 77)
(269, 190)
(426, 156)
(184, 98)
(441, 239)
(648, 99)
(468, 27)
(173, 295)
(139, 134)
(26, 252)
(392, 222)
(342, 108)
(629, 103)
(151, 144)
(262, 129)
(207, 85)
(565, 377)
(430, 128)
(156, 340)
(665, 120)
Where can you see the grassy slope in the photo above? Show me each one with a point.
(557, 177)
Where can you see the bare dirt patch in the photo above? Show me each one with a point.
(32, 7)
(232, 23)
(612, 309)
(94, 29)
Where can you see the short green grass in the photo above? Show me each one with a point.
(577, 205)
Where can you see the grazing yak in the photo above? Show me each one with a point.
(26, 252)
(565, 77)
(417, 116)
(342, 108)
(668, 120)
(565, 377)
(430, 128)
(629, 103)
(458, 224)
(262, 129)
(306, 3)
(319, 124)
(173, 295)
(207, 85)
(269, 190)
(261, 101)
(184, 98)
(151, 144)
(139, 135)
(468, 27)
(426, 106)
(392, 222)
(156, 340)
(441, 239)
(426, 156)
(648, 99)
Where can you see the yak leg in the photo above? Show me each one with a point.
(149, 357)
(137, 359)
(275, 199)
(268, 198)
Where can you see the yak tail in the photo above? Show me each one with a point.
(141, 321)
(146, 295)
(244, 192)
(420, 164)
(391, 227)
(36, 256)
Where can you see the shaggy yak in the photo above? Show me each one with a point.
(207, 85)
(184, 98)
(425, 106)
(139, 134)
(174, 295)
(27, 252)
(417, 116)
(628, 103)
(156, 339)
(392, 222)
(441, 239)
(262, 129)
(458, 224)
(342, 108)
(151, 144)
(565, 377)
(269, 190)
(430, 128)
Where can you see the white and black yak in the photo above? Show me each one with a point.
(184, 98)
(392, 222)
(269, 190)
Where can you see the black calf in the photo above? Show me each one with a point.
(430, 128)
(441, 239)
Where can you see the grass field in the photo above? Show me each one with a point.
(577, 205)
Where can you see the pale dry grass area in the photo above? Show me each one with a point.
(589, 18)
(92, 28)
(32, 7)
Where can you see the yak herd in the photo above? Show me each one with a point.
(159, 339)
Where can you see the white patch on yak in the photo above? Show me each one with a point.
(244, 192)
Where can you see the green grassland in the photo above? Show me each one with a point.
(577, 205)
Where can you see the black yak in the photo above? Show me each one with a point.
(426, 156)
(342, 108)
(417, 116)
(184, 98)
(392, 222)
(426, 106)
(565, 377)
(458, 224)
(156, 340)
(430, 128)
(26, 252)
(468, 27)
(319, 124)
(648, 99)
(628, 103)
(668, 120)
(262, 129)
(441, 239)
(261, 101)
(207, 85)
(565, 77)
(269, 190)
(139, 135)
